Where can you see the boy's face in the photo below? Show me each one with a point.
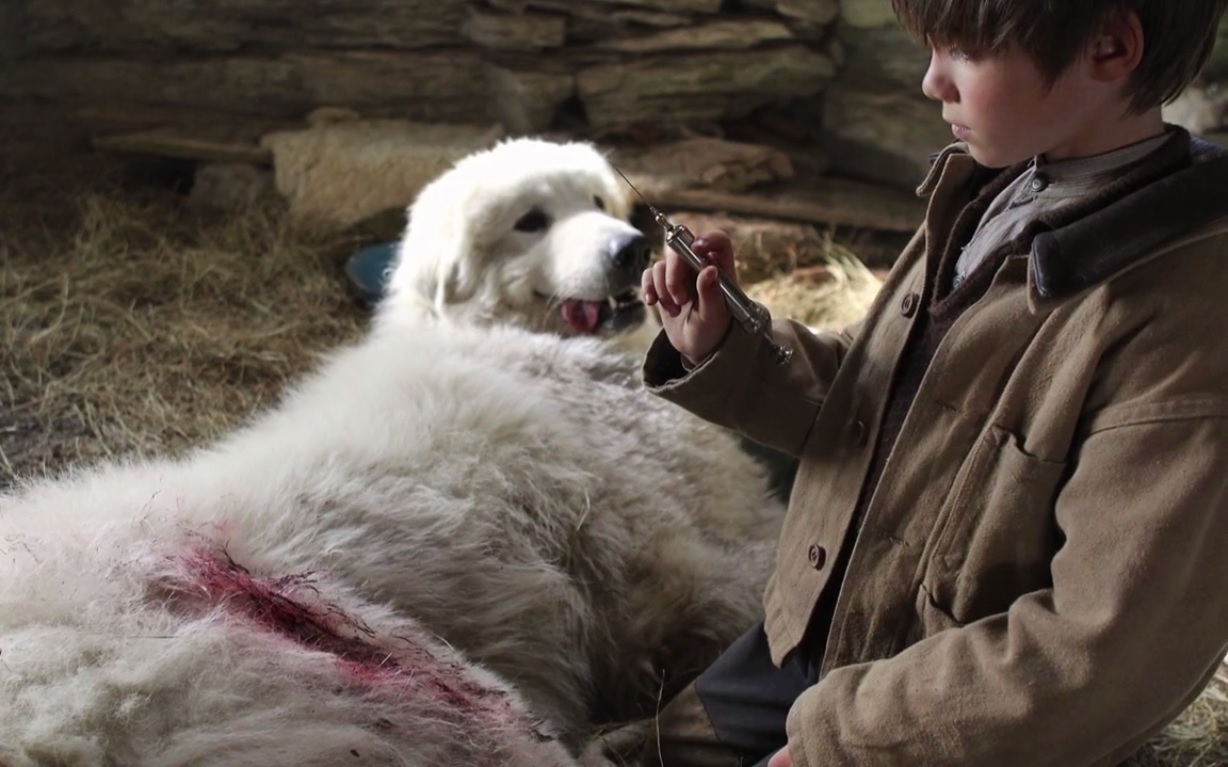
(1006, 112)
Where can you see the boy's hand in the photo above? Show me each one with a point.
(693, 309)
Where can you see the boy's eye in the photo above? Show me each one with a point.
(533, 221)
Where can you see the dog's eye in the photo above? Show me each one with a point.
(533, 221)
(600, 203)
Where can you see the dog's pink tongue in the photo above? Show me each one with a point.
(582, 316)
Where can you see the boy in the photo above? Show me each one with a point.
(1004, 545)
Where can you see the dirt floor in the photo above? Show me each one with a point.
(132, 323)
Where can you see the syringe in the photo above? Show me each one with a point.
(751, 315)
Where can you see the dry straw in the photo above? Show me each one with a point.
(131, 323)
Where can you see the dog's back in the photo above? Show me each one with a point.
(488, 486)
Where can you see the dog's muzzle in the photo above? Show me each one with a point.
(622, 310)
(629, 258)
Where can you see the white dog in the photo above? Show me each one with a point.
(458, 542)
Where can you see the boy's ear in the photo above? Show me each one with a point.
(1118, 49)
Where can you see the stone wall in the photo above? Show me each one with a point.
(834, 82)
(877, 124)
(532, 64)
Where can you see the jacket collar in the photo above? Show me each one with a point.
(1075, 257)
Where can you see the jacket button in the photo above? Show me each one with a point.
(817, 556)
(908, 307)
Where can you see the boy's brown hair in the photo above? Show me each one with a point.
(1178, 35)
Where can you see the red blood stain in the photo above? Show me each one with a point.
(287, 606)
(291, 607)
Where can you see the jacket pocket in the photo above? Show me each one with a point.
(999, 533)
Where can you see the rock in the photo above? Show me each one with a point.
(586, 18)
(138, 25)
(702, 87)
(1202, 108)
(337, 175)
(885, 137)
(525, 100)
(596, 22)
(704, 163)
(417, 85)
(515, 31)
(666, 6)
(1216, 69)
(717, 35)
(867, 13)
(816, 12)
(881, 58)
(820, 12)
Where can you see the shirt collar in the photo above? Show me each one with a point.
(1084, 175)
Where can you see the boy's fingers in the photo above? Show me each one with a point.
(703, 291)
(648, 291)
(656, 282)
(679, 280)
(717, 248)
(710, 302)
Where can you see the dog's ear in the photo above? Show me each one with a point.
(435, 266)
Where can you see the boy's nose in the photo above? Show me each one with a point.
(936, 84)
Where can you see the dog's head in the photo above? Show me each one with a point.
(531, 233)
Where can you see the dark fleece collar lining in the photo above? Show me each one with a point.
(1088, 251)
(1070, 257)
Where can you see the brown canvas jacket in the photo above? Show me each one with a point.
(1040, 577)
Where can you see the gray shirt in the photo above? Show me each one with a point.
(1045, 187)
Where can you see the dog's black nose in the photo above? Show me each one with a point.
(633, 255)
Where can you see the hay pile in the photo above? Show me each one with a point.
(831, 295)
(1199, 737)
(132, 323)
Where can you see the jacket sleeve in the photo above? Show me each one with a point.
(1134, 625)
(742, 387)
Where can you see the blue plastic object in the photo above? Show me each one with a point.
(369, 268)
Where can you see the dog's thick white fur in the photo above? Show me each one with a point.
(459, 542)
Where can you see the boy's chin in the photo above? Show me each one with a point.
(991, 158)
